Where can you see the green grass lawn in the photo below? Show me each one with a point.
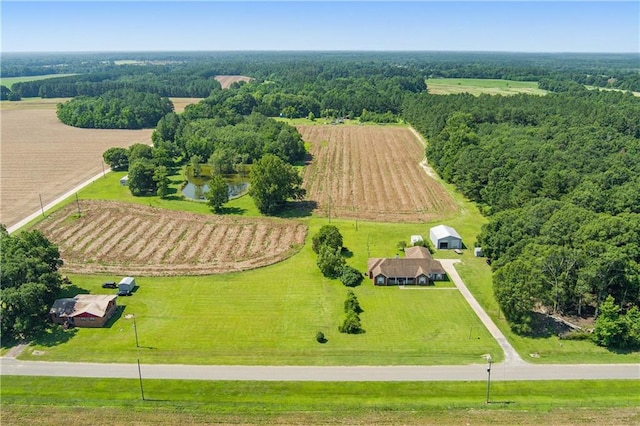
(478, 86)
(271, 315)
(35, 400)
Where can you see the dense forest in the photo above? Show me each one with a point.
(188, 74)
(559, 177)
(118, 109)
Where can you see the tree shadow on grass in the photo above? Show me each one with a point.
(54, 336)
(71, 290)
(544, 326)
(297, 209)
(232, 211)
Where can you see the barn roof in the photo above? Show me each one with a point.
(92, 304)
(444, 231)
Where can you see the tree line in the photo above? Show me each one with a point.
(558, 176)
(118, 109)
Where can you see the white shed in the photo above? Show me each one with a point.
(124, 181)
(416, 239)
(127, 284)
(445, 237)
(477, 252)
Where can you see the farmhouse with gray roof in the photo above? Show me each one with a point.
(417, 267)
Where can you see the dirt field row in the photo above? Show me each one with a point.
(372, 173)
(227, 80)
(123, 238)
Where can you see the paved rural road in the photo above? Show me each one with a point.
(11, 366)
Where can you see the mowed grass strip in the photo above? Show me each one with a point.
(35, 400)
(478, 86)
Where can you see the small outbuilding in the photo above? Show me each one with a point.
(127, 284)
(477, 252)
(84, 310)
(415, 239)
(445, 237)
(124, 181)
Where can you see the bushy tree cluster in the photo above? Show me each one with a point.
(7, 94)
(29, 282)
(616, 330)
(351, 323)
(273, 182)
(118, 109)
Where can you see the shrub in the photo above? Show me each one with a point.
(350, 276)
(351, 324)
(352, 304)
(320, 337)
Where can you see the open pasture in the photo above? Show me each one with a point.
(227, 80)
(125, 239)
(479, 86)
(372, 173)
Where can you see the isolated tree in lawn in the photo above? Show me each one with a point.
(330, 261)
(29, 282)
(273, 182)
(117, 158)
(218, 193)
(352, 303)
(328, 235)
(141, 178)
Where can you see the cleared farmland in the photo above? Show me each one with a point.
(479, 86)
(122, 238)
(42, 157)
(227, 80)
(372, 173)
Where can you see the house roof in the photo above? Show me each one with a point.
(92, 304)
(443, 231)
(417, 262)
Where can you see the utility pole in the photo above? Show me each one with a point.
(490, 361)
(78, 204)
(41, 206)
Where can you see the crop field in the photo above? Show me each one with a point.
(43, 158)
(478, 86)
(227, 80)
(124, 239)
(372, 173)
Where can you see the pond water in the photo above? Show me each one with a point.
(196, 191)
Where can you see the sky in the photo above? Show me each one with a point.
(116, 26)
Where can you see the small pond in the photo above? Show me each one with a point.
(196, 191)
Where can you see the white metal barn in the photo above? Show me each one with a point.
(445, 237)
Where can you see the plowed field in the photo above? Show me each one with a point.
(123, 239)
(227, 80)
(372, 173)
(43, 158)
